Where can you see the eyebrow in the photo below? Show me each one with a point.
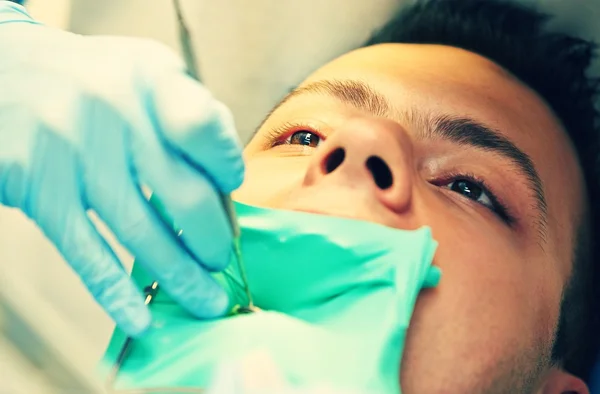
(468, 132)
(459, 130)
(356, 93)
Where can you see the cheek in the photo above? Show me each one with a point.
(269, 180)
(495, 304)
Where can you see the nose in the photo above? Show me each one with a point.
(374, 155)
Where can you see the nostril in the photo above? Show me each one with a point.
(380, 171)
(334, 160)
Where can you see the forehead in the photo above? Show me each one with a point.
(449, 80)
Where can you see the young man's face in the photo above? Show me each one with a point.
(414, 135)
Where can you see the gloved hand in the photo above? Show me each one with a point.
(84, 121)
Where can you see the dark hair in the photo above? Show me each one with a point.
(555, 66)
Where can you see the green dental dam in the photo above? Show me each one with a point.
(336, 296)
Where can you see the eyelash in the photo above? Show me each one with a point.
(498, 207)
(280, 134)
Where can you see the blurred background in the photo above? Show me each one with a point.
(251, 53)
(233, 37)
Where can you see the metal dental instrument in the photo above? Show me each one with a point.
(192, 66)
(150, 293)
(151, 290)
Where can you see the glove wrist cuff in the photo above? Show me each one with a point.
(13, 12)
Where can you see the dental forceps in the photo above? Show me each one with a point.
(192, 67)
(151, 290)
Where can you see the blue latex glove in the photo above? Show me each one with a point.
(84, 121)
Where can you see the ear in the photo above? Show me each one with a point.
(560, 382)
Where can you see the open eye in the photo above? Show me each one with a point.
(304, 137)
(472, 190)
(475, 189)
(299, 135)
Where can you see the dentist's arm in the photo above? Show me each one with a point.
(84, 121)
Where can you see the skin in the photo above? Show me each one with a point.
(489, 326)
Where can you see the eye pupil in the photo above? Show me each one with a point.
(305, 138)
(467, 188)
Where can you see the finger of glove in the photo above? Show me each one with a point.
(114, 194)
(201, 128)
(56, 206)
(190, 199)
(102, 273)
(147, 237)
